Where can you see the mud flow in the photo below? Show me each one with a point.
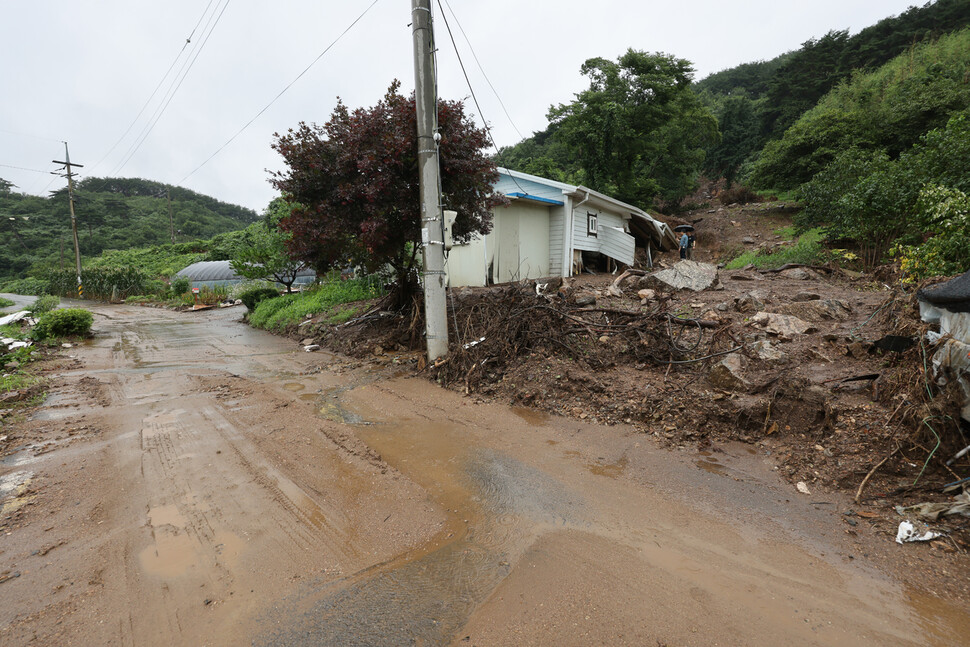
(193, 481)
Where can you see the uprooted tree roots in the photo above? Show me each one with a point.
(494, 328)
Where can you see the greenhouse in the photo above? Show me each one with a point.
(212, 273)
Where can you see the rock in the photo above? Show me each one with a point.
(378, 351)
(785, 326)
(858, 350)
(747, 277)
(764, 351)
(806, 296)
(585, 299)
(828, 309)
(727, 375)
(748, 240)
(605, 339)
(67, 345)
(307, 341)
(797, 274)
(685, 275)
(311, 348)
(802, 487)
(13, 396)
(647, 294)
(750, 302)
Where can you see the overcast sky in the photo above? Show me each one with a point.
(81, 71)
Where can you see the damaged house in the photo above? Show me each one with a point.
(948, 305)
(550, 228)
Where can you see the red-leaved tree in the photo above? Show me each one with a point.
(354, 184)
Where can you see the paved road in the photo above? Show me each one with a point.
(194, 482)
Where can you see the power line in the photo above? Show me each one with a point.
(21, 168)
(187, 67)
(282, 92)
(480, 68)
(157, 87)
(13, 132)
(468, 82)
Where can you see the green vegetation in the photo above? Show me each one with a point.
(44, 303)
(67, 322)
(637, 110)
(30, 286)
(253, 296)
(112, 214)
(888, 109)
(261, 252)
(807, 249)
(880, 202)
(290, 309)
(5, 303)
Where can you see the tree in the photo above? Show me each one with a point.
(353, 183)
(262, 253)
(639, 130)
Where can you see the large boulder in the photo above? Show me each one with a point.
(685, 275)
(828, 309)
(785, 326)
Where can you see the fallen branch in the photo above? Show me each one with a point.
(858, 494)
(789, 266)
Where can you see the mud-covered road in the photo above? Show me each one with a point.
(191, 481)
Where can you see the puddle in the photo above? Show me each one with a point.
(532, 416)
(172, 554)
(309, 397)
(23, 457)
(496, 504)
(166, 515)
(610, 470)
(294, 386)
(940, 619)
(712, 466)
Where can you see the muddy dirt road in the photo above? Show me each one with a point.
(191, 481)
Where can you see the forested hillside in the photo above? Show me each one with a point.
(112, 213)
(601, 138)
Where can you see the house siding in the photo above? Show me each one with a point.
(557, 238)
(588, 243)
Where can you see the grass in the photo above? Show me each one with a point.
(807, 250)
(5, 303)
(276, 314)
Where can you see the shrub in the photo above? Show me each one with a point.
(4, 303)
(67, 322)
(180, 285)
(43, 304)
(253, 296)
(807, 250)
(29, 286)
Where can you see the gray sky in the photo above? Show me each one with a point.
(81, 71)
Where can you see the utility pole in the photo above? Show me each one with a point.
(171, 220)
(432, 225)
(70, 196)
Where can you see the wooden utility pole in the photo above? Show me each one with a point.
(171, 220)
(432, 225)
(70, 197)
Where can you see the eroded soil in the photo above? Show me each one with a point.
(191, 481)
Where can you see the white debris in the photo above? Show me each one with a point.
(312, 347)
(907, 533)
(473, 343)
(13, 318)
(802, 487)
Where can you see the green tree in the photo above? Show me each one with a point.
(262, 254)
(638, 132)
(354, 190)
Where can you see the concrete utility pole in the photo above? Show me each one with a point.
(171, 220)
(432, 226)
(70, 196)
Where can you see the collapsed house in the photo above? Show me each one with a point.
(550, 228)
(948, 305)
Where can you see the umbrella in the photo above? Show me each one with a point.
(684, 228)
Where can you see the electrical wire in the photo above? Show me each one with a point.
(157, 88)
(482, 69)
(13, 132)
(282, 92)
(468, 82)
(21, 168)
(183, 72)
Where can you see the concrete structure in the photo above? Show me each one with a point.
(546, 228)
